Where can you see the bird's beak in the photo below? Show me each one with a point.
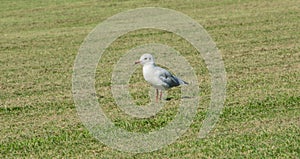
(137, 62)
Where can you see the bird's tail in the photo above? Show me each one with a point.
(182, 82)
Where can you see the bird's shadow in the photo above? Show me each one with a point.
(170, 98)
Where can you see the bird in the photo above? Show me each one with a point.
(160, 78)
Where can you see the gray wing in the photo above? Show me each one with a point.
(169, 79)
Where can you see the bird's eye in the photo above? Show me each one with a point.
(145, 58)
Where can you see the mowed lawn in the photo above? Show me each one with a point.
(259, 42)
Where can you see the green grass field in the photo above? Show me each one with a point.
(259, 42)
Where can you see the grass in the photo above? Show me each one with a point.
(259, 42)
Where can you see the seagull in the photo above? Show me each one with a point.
(158, 77)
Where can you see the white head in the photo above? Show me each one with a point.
(146, 59)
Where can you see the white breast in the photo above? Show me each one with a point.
(151, 75)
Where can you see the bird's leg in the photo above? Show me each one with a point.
(156, 95)
(160, 95)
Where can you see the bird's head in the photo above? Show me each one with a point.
(145, 59)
